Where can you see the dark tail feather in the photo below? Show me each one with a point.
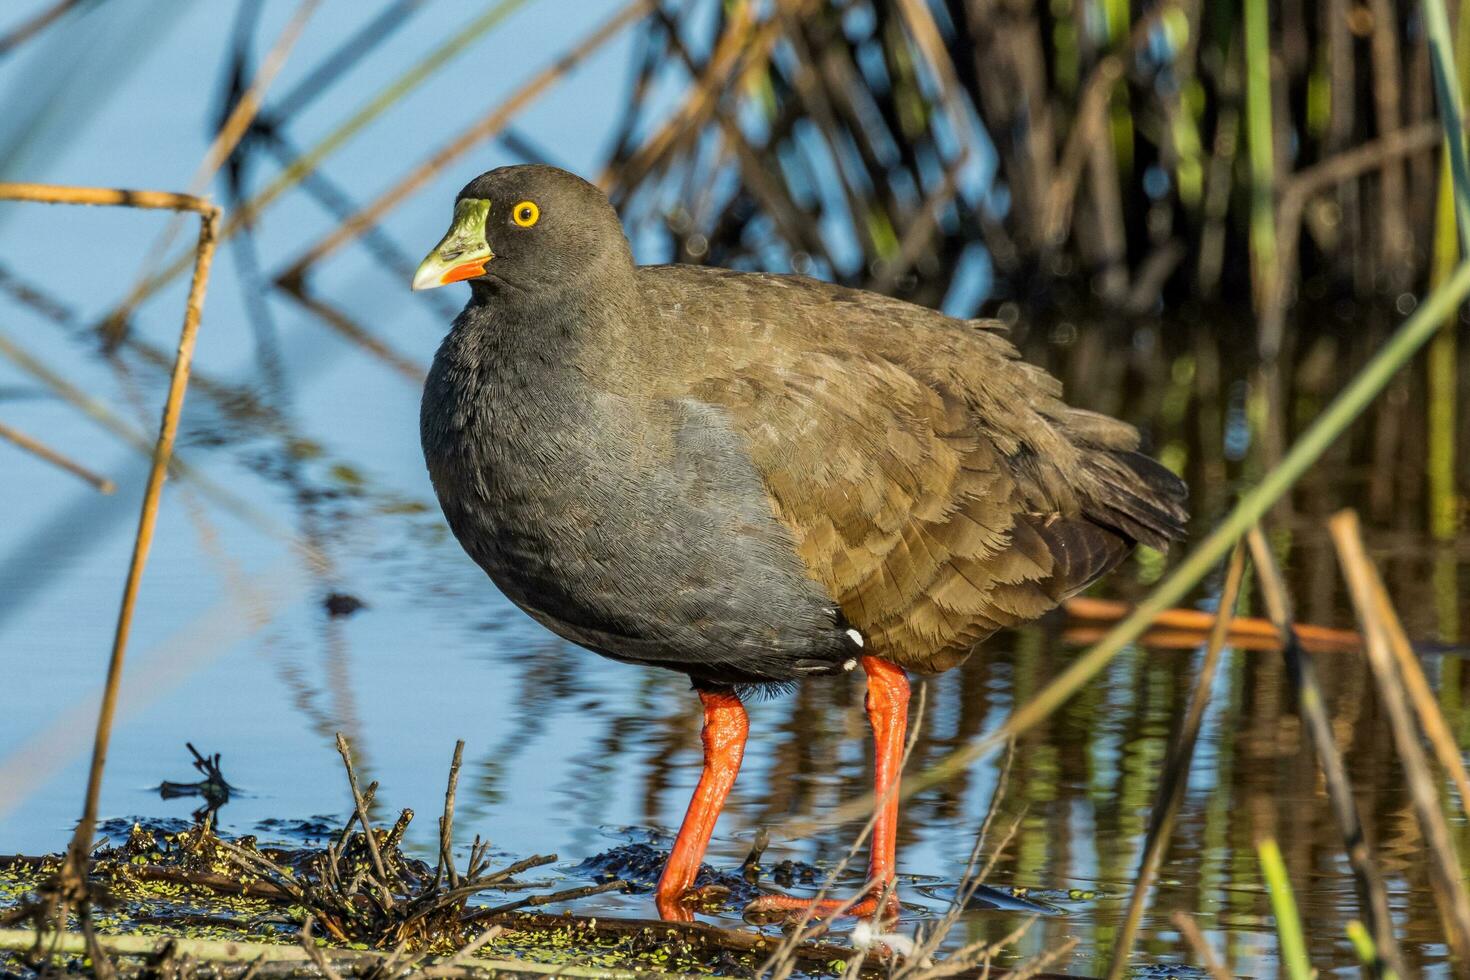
(1082, 552)
(1139, 497)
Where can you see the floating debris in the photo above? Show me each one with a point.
(213, 787)
(341, 604)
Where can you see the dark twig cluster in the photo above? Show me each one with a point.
(362, 889)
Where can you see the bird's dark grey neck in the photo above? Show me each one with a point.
(567, 325)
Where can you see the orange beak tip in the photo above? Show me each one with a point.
(462, 272)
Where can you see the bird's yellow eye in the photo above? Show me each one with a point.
(526, 214)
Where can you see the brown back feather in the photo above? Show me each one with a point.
(935, 484)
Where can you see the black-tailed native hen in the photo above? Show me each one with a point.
(754, 479)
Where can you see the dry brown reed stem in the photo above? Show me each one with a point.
(402, 365)
(1425, 705)
(1090, 126)
(1372, 894)
(232, 131)
(72, 882)
(362, 817)
(34, 25)
(137, 441)
(1395, 242)
(108, 197)
(744, 46)
(1087, 634)
(1190, 930)
(919, 18)
(446, 822)
(1176, 770)
(1444, 863)
(486, 127)
(43, 451)
(1308, 183)
(248, 106)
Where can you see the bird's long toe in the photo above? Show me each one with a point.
(774, 909)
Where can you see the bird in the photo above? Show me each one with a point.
(754, 478)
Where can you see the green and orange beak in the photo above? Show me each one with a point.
(462, 253)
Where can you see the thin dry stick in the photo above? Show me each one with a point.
(1176, 771)
(1306, 185)
(446, 822)
(362, 817)
(980, 951)
(73, 874)
(565, 895)
(1426, 708)
(1444, 862)
(234, 127)
(1190, 930)
(970, 882)
(1372, 895)
(110, 197)
(28, 29)
(354, 332)
(38, 448)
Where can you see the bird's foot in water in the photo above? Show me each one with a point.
(772, 909)
(681, 907)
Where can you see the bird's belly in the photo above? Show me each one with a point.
(636, 563)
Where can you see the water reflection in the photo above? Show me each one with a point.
(1079, 795)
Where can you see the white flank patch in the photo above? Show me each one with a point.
(856, 637)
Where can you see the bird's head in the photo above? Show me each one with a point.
(526, 228)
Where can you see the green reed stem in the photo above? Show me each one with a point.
(1294, 962)
(1364, 946)
(1442, 375)
(1447, 82)
(1262, 151)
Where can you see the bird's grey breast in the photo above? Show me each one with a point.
(635, 526)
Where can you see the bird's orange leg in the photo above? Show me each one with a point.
(888, 711)
(725, 729)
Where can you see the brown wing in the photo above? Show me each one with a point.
(936, 485)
